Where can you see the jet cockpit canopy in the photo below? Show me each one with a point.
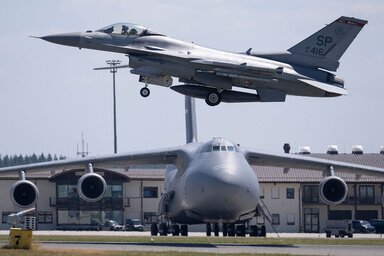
(128, 29)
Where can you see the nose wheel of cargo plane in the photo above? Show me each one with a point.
(144, 92)
(213, 98)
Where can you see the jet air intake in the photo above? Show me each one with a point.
(91, 186)
(24, 193)
(333, 190)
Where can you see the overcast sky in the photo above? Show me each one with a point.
(50, 94)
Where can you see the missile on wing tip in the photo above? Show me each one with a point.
(229, 96)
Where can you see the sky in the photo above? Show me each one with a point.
(50, 94)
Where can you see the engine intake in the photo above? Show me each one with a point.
(333, 190)
(91, 187)
(24, 193)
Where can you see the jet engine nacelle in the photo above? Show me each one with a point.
(333, 190)
(24, 193)
(91, 187)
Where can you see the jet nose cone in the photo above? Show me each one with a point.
(70, 39)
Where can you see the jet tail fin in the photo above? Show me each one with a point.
(325, 47)
(190, 120)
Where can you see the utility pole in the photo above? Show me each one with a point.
(113, 66)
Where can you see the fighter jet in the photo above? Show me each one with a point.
(205, 182)
(302, 70)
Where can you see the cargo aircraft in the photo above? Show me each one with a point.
(305, 69)
(211, 182)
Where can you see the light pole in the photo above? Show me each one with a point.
(113, 66)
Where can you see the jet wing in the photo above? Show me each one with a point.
(306, 162)
(123, 160)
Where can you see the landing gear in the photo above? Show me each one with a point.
(175, 230)
(164, 229)
(144, 92)
(216, 229)
(184, 230)
(213, 98)
(209, 229)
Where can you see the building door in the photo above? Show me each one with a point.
(311, 220)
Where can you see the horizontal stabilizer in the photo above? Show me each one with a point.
(331, 90)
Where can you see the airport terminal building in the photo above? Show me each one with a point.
(291, 198)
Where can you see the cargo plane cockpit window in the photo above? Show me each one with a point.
(222, 147)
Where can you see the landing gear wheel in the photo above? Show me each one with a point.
(184, 230)
(144, 92)
(216, 229)
(154, 229)
(175, 230)
(213, 98)
(209, 229)
(225, 229)
(163, 230)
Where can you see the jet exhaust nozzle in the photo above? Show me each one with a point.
(333, 190)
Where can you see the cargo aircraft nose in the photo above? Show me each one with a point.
(70, 39)
(222, 193)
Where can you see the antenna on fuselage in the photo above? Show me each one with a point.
(190, 120)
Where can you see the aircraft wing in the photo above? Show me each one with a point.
(123, 160)
(307, 162)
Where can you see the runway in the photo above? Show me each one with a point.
(336, 250)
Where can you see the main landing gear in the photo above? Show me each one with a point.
(231, 230)
(214, 98)
(144, 92)
(164, 229)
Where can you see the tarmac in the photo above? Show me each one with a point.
(151, 245)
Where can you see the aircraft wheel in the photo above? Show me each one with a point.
(163, 230)
(176, 230)
(184, 230)
(154, 229)
(231, 230)
(216, 229)
(225, 229)
(213, 98)
(209, 229)
(144, 92)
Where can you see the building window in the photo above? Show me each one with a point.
(4, 216)
(367, 194)
(45, 217)
(275, 193)
(290, 193)
(291, 219)
(261, 193)
(151, 192)
(310, 194)
(275, 219)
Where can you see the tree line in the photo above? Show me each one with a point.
(12, 160)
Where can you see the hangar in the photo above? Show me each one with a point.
(290, 199)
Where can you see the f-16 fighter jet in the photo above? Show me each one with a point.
(302, 70)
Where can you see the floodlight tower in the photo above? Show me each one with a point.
(113, 66)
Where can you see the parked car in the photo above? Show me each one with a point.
(134, 225)
(379, 225)
(112, 225)
(362, 226)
